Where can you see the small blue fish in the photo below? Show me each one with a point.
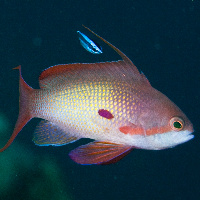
(88, 44)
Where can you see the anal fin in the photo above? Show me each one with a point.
(99, 153)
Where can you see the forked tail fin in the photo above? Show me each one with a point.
(24, 114)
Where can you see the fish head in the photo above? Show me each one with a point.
(163, 124)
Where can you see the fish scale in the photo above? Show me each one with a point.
(68, 106)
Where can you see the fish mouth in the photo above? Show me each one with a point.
(184, 136)
(172, 139)
(162, 141)
(165, 140)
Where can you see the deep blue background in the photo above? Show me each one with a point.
(161, 37)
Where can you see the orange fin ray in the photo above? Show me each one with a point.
(24, 114)
(99, 153)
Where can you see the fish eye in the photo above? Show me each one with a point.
(177, 123)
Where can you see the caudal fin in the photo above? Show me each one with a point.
(24, 114)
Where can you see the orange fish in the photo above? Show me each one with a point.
(109, 102)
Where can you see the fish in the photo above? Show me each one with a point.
(88, 44)
(111, 103)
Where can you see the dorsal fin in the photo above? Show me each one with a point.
(123, 70)
(123, 56)
(68, 74)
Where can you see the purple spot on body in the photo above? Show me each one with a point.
(105, 113)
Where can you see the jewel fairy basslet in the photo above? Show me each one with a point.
(110, 102)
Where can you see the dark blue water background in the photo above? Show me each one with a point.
(161, 37)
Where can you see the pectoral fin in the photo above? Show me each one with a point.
(99, 153)
(47, 133)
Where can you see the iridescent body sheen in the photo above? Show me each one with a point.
(110, 102)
